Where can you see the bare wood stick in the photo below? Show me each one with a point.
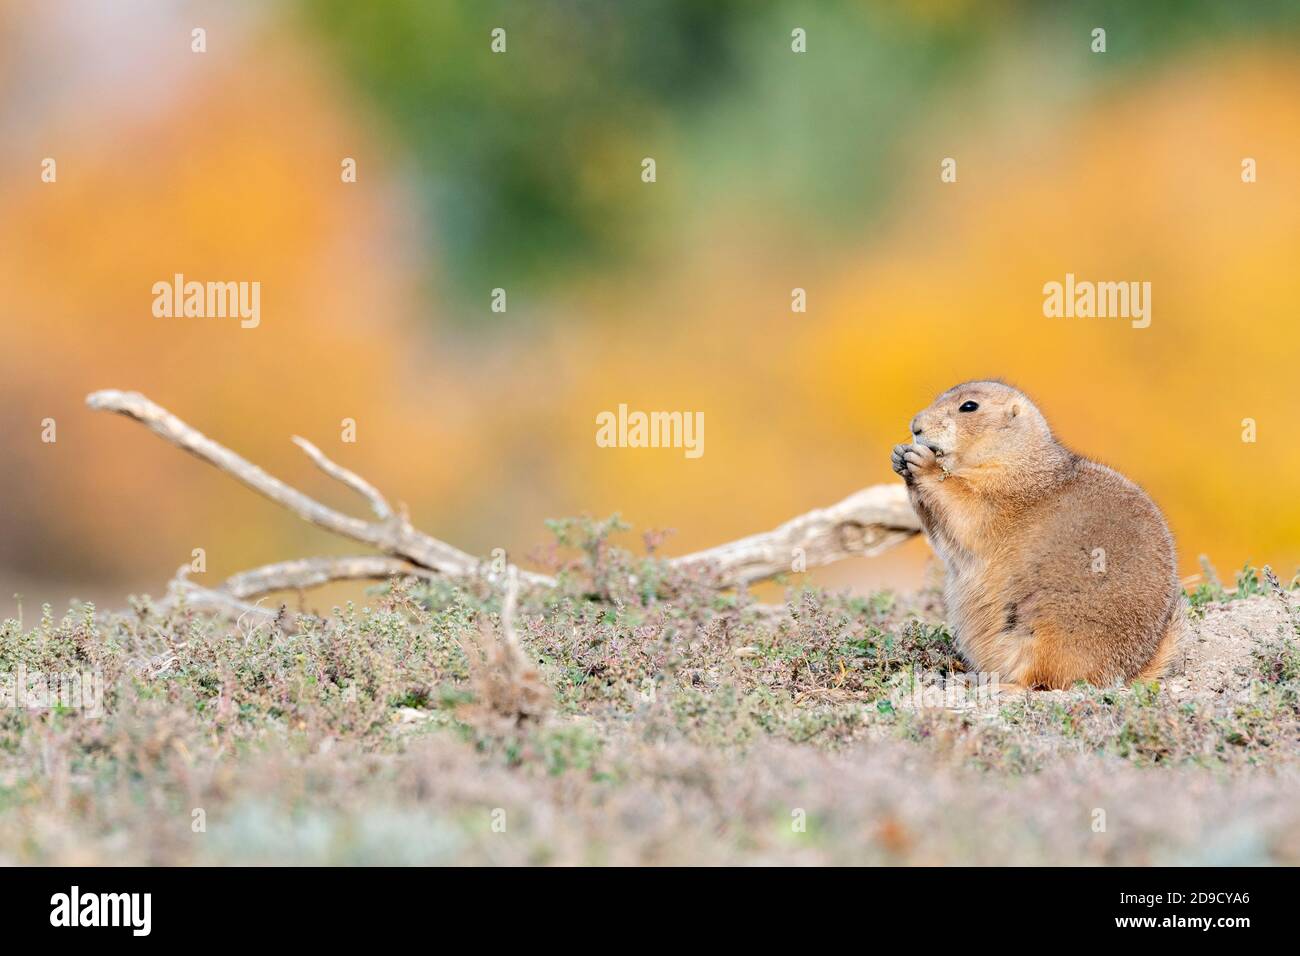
(166, 425)
(354, 481)
(509, 604)
(182, 589)
(307, 573)
(197, 596)
(863, 524)
(233, 596)
(394, 536)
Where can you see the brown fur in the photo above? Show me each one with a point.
(1059, 569)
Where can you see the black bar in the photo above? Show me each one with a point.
(241, 905)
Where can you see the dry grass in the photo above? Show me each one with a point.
(646, 719)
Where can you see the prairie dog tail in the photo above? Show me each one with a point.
(1169, 648)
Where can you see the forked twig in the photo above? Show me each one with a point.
(394, 536)
(383, 511)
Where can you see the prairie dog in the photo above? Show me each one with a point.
(1060, 569)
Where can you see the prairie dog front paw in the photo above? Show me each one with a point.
(920, 461)
(898, 462)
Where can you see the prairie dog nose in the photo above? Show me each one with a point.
(916, 425)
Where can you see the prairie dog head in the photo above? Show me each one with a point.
(979, 423)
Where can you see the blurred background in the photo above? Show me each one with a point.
(522, 171)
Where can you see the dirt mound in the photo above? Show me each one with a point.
(1220, 657)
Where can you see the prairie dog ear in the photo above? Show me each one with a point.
(1015, 410)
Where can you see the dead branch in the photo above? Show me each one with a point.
(509, 689)
(394, 536)
(182, 590)
(509, 604)
(232, 597)
(863, 524)
(354, 481)
(313, 572)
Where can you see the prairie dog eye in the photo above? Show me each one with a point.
(968, 406)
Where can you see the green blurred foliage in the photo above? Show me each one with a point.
(503, 144)
(528, 163)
